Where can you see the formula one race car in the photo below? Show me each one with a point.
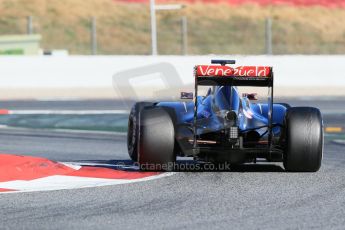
(224, 126)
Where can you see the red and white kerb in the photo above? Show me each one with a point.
(28, 174)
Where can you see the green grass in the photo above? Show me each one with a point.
(105, 122)
(12, 52)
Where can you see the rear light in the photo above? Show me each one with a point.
(233, 132)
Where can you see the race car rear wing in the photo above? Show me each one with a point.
(261, 76)
(235, 76)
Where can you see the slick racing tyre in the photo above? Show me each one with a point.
(303, 139)
(133, 129)
(156, 140)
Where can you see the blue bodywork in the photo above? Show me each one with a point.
(212, 108)
(250, 115)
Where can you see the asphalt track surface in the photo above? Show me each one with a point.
(259, 196)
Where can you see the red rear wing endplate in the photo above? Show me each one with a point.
(237, 76)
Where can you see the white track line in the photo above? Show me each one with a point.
(340, 142)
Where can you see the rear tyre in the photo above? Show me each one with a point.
(156, 140)
(303, 140)
(133, 129)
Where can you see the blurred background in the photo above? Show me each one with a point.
(73, 48)
(123, 27)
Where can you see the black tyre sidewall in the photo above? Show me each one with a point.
(303, 139)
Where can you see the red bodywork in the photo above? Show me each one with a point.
(227, 71)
